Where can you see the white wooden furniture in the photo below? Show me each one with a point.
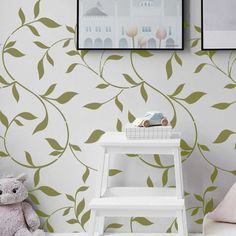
(146, 202)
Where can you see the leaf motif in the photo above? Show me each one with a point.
(200, 67)
(209, 207)
(142, 221)
(178, 59)
(82, 189)
(222, 106)
(18, 122)
(72, 221)
(210, 189)
(49, 59)
(144, 93)
(22, 16)
(14, 52)
(49, 191)
(40, 45)
(131, 117)
(84, 53)
(199, 221)
(119, 104)
(75, 147)
(195, 43)
(10, 44)
(41, 214)
(95, 136)
(71, 67)
(3, 81)
(3, 154)
(129, 79)
(114, 226)
(102, 86)
(36, 177)
(42, 125)
(50, 90)
(66, 97)
(178, 90)
(40, 69)
(85, 218)
(214, 175)
(93, 106)
(4, 120)
(114, 57)
(36, 9)
(194, 97)
(70, 29)
(66, 212)
(169, 69)
(143, 53)
(80, 207)
(33, 199)
(67, 42)
(29, 159)
(48, 22)
(223, 136)
(149, 182)
(184, 145)
(55, 153)
(33, 30)
(199, 198)
(195, 211)
(86, 174)
(70, 198)
(113, 172)
(204, 147)
(165, 177)
(27, 116)
(197, 29)
(174, 121)
(54, 144)
(72, 53)
(157, 159)
(15, 93)
(119, 125)
(49, 227)
(230, 86)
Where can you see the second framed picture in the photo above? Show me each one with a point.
(130, 24)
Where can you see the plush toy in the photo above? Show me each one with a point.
(17, 217)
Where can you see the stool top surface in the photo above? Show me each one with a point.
(119, 139)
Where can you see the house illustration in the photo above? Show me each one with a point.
(99, 28)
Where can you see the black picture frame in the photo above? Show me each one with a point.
(139, 49)
(202, 34)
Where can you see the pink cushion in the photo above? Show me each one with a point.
(226, 210)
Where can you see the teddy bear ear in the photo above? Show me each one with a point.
(22, 178)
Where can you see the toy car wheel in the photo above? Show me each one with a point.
(164, 122)
(146, 123)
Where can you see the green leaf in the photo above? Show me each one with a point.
(114, 57)
(66, 212)
(209, 207)
(165, 177)
(197, 29)
(29, 158)
(174, 121)
(42, 125)
(157, 159)
(70, 198)
(50, 90)
(48, 22)
(10, 44)
(199, 221)
(144, 93)
(71, 67)
(55, 153)
(195, 211)
(169, 70)
(49, 59)
(3, 81)
(199, 198)
(200, 67)
(72, 53)
(75, 147)
(14, 52)
(80, 207)
(223, 136)
(214, 175)
(85, 218)
(114, 226)
(27, 116)
(15, 93)
(22, 16)
(49, 191)
(129, 79)
(33, 199)
(18, 122)
(143, 53)
(93, 106)
(36, 9)
(70, 29)
(222, 106)
(72, 221)
(82, 189)
(33, 30)
(84, 53)
(230, 86)
(40, 45)
(178, 59)
(119, 125)
(40, 69)
(184, 153)
(178, 90)
(41, 214)
(195, 43)
(119, 104)
(204, 147)
(36, 177)
(54, 144)
(3, 154)
(113, 172)
(86, 174)
(67, 42)
(4, 120)
(184, 145)
(142, 221)
(211, 189)
(194, 97)
(131, 117)
(102, 86)
(201, 53)
(66, 97)
(149, 182)
(95, 136)
(49, 227)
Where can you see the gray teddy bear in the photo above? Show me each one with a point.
(17, 217)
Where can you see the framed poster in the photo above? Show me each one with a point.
(130, 24)
(218, 24)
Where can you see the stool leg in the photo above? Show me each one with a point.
(185, 223)
(180, 223)
(92, 224)
(101, 225)
(178, 174)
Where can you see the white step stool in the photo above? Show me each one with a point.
(146, 202)
(212, 228)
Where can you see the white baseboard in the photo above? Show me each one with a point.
(83, 234)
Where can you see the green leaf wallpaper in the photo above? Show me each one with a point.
(57, 102)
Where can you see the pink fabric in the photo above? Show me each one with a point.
(226, 210)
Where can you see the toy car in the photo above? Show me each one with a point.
(152, 119)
